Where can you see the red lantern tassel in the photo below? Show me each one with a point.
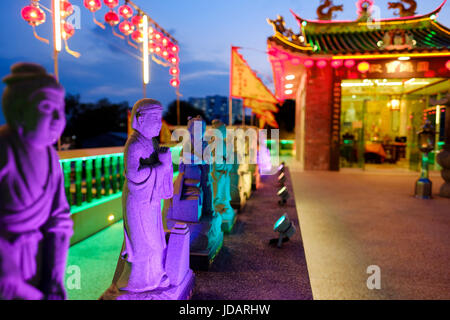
(73, 53)
(101, 25)
(38, 37)
(116, 34)
(131, 44)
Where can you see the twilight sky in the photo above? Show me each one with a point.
(205, 30)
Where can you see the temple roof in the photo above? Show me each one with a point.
(411, 34)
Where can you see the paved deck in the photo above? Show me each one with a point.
(352, 219)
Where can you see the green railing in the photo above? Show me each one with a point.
(95, 179)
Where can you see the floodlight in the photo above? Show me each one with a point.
(283, 193)
(285, 228)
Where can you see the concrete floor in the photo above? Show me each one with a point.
(352, 219)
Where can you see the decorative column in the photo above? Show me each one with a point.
(443, 158)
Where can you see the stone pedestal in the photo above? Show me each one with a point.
(176, 265)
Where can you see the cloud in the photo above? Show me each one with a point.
(203, 74)
(113, 91)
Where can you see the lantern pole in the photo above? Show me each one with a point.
(56, 20)
(145, 56)
(178, 106)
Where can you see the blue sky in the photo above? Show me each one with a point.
(205, 30)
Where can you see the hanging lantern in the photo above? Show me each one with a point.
(137, 20)
(126, 27)
(309, 63)
(112, 18)
(92, 5)
(336, 63)
(363, 67)
(67, 30)
(111, 3)
(164, 42)
(349, 63)
(126, 11)
(33, 15)
(165, 53)
(137, 36)
(174, 49)
(174, 71)
(66, 9)
(321, 64)
(174, 60)
(174, 82)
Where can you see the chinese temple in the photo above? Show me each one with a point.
(362, 88)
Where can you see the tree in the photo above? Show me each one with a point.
(186, 110)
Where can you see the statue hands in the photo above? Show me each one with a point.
(151, 162)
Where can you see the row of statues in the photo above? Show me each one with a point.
(35, 223)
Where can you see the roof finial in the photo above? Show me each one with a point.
(402, 10)
(328, 15)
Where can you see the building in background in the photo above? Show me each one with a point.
(362, 87)
(216, 107)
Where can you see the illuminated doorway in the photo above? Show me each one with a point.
(380, 119)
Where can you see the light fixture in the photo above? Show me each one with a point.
(281, 179)
(404, 58)
(289, 86)
(285, 228)
(288, 92)
(283, 193)
(111, 217)
(281, 167)
(290, 77)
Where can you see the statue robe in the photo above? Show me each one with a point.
(29, 209)
(144, 238)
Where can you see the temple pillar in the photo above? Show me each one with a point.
(443, 158)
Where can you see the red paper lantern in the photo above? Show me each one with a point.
(126, 27)
(174, 49)
(111, 3)
(92, 5)
(336, 63)
(174, 71)
(125, 11)
(363, 67)
(137, 20)
(165, 54)
(321, 64)
(349, 63)
(309, 63)
(174, 60)
(112, 18)
(164, 42)
(67, 30)
(33, 15)
(447, 65)
(137, 36)
(66, 9)
(174, 82)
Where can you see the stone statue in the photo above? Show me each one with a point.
(193, 199)
(148, 170)
(221, 183)
(35, 223)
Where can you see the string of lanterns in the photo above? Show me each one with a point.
(35, 15)
(130, 25)
(160, 42)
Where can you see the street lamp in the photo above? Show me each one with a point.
(426, 145)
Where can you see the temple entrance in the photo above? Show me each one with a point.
(380, 119)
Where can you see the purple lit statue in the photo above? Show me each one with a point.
(144, 269)
(35, 223)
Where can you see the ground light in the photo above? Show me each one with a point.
(283, 193)
(285, 228)
(281, 179)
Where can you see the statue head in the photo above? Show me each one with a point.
(33, 104)
(146, 117)
(191, 126)
(219, 125)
